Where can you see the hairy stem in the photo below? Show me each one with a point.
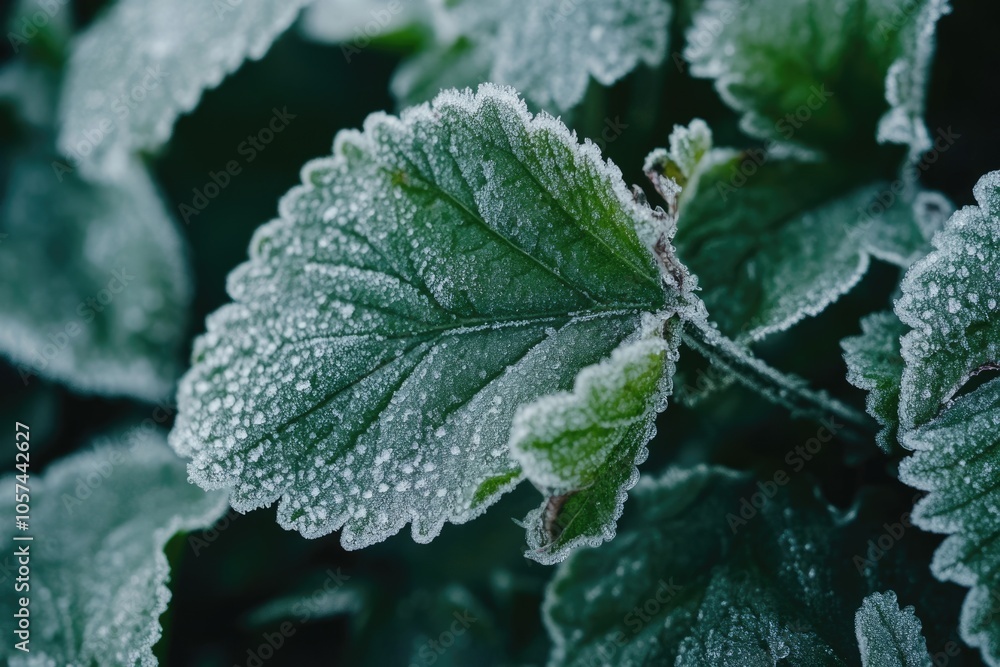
(784, 389)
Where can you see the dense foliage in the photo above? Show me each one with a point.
(703, 294)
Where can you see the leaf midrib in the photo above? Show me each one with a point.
(426, 336)
(474, 216)
(460, 327)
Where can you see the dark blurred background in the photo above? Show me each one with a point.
(407, 592)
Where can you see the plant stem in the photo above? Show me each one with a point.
(784, 389)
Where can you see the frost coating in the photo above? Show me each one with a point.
(683, 161)
(547, 49)
(98, 568)
(739, 363)
(347, 20)
(710, 591)
(874, 363)
(889, 636)
(784, 243)
(956, 458)
(950, 299)
(143, 63)
(110, 317)
(907, 80)
(438, 271)
(562, 439)
(119, 307)
(773, 59)
(553, 47)
(582, 448)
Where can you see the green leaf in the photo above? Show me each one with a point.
(811, 75)
(100, 521)
(548, 49)
(950, 299)
(581, 448)
(874, 363)
(322, 601)
(458, 64)
(107, 320)
(956, 459)
(889, 636)
(907, 79)
(435, 273)
(141, 64)
(359, 22)
(773, 241)
(412, 629)
(563, 439)
(713, 568)
(35, 40)
(101, 296)
(551, 48)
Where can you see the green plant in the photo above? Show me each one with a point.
(467, 296)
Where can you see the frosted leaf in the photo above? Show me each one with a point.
(553, 47)
(699, 576)
(97, 296)
(889, 636)
(457, 65)
(582, 447)
(143, 63)
(688, 145)
(813, 75)
(773, 240)
(547, 49)
(100, 521)
(359, 21)
(902, 233)
(330, 597)
(956, 460)
(406, 627)
(435, 273)
(950, 299)
(907, 79)
(30, 90)
(874, 363)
